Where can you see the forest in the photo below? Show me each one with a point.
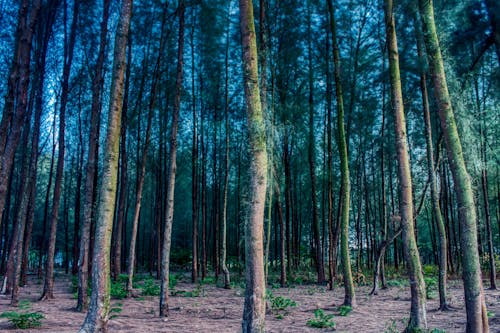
(250, 166)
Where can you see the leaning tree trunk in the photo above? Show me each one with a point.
(97, 315)
(418, 319)
(48, 288)
(349, 295)
(172, 168)
(90, 174)
(477, 319)
(436, 209)
(255, 305)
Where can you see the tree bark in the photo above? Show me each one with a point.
(142, 169)
(48, 288)
(172, 168)
(349, 294)
(418, 316)
(436, 209)
(477, 319)
(318, 253)
(97, 315)
(255, 305)
(16, 99)
(90, 172)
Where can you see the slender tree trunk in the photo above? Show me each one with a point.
(48, 288)
(331, 250)
(418, 316)
(477, 319)
(122, 199)
(172, 168)
(318, 253)
(97, 315)
(486, 204)
(16, 99)
(225, 270)
(142, 170)
(436, 209)
(349, 295)
(90, 172)
(255, 305)
(194, 167)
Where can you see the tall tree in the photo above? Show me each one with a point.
(97, 314)
(142, 169)
(436, 209)
(90, 169)
(16, 98)
(318, 253)
(477, 319)
(418, 316)
(255, 305)
(349, 295)
(48, 288)
(172, 168)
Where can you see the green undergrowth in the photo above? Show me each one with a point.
(321, 320)
(24, 319)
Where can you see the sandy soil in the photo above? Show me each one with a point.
(219, 310)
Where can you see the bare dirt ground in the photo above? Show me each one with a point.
(218, 310)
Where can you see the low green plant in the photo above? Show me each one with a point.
(118, 290)
(115, 310)
(392, 327)
(321, 320)
(24, 320)
(150, 288)
(430, 287)
(344, 310)
(280, 305)
(398, 283)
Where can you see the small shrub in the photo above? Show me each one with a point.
(150, 288)
(321, 320)
(401, 283)
(430, 287)
(118, 290)
(24, 320)
(344, 310)
(430, 270)
(280, 305)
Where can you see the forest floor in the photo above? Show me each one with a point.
(219, 310)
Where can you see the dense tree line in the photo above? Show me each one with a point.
(341, 138)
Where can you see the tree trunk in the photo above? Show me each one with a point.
(194, 168)
(90, 172)
(97, 315)
(225, 270)
(48, 288)
(172, 168)
(418, 317)
(318, 253)
(349, 295)
(16, 99)
(142, 170)
(255, 305)
(477, 319)
(436, 209)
